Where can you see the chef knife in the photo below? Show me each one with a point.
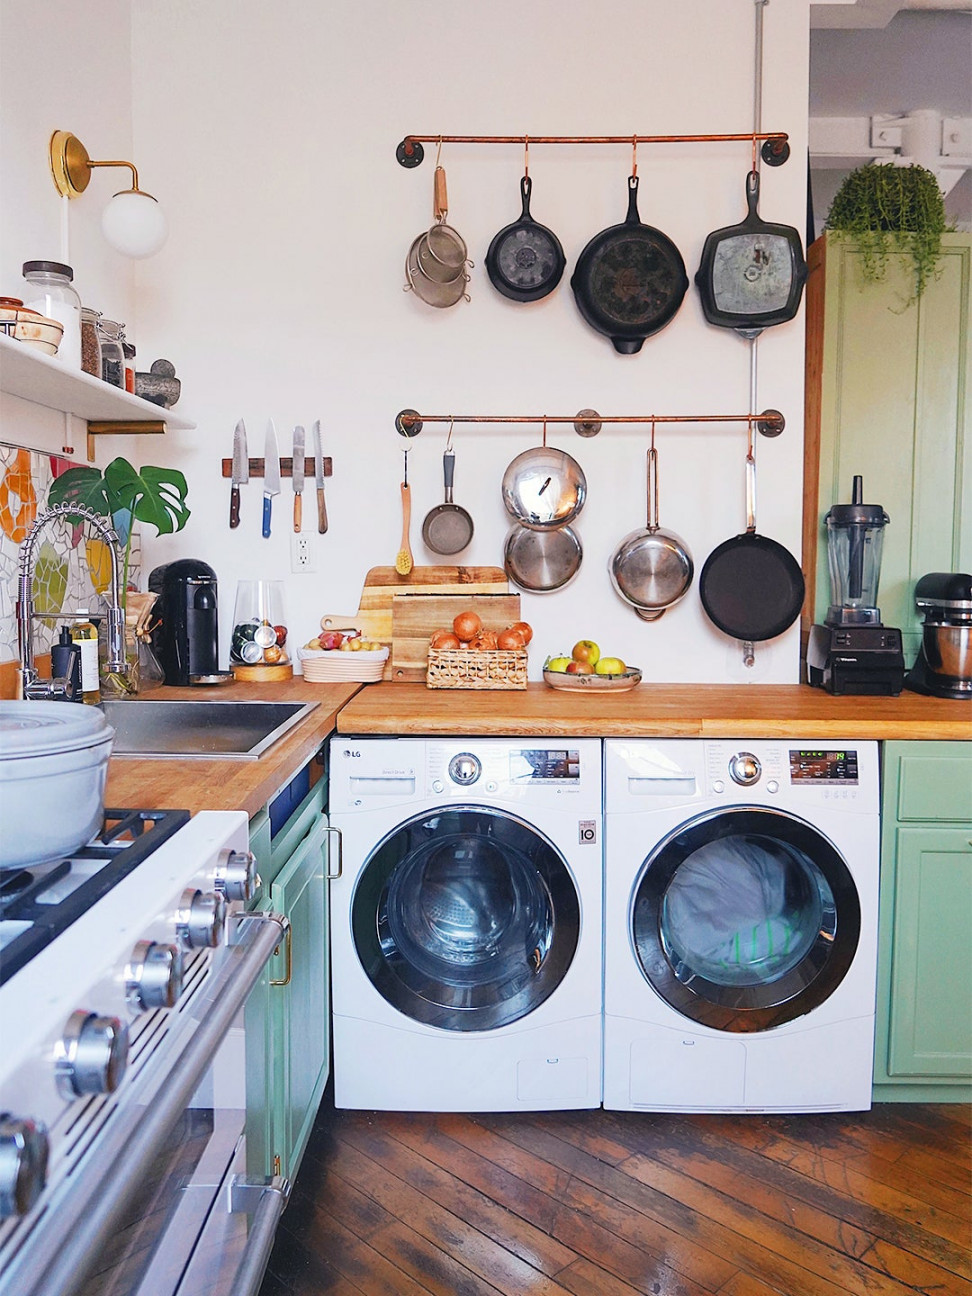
(271, 475)
(297, 471)
(319, 475)
(241, 472)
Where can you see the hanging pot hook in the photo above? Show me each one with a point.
(634, 154)
(544, 431)
(526, 157)
(452, 424)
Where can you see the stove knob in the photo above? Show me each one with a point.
(153, 977)
(23, 1164)
(236, 876)
(91, 1055)
(744, 768)
(465, 769)
(200, 918)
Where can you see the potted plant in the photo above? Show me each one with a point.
(126, 495)
(892, 210)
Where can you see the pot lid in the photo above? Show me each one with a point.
(43, 728)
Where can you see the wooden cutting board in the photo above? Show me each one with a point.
(374, 615)
(415, 616)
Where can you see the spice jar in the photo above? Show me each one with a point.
(50, 291)
(129, 351)
(112, 355)
(90, 342)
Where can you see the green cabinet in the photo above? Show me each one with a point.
(887, 397)
(923, 1037)
(288, 1014)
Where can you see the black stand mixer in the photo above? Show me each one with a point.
(852, 652)
(943, 667)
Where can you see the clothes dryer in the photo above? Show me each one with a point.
(741, 892)
(466, 924)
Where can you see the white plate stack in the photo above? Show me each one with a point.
(336, 665)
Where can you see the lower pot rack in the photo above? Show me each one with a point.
(587, 422)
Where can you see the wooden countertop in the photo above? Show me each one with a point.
(653, 710)
(228, 784)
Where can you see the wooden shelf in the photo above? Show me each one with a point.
(32, 376)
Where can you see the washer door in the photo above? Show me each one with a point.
(745, 919)
(466, 919)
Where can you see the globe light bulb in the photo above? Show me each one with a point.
(134, 223)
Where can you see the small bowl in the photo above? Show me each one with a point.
(31, 327)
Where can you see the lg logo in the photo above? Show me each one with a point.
(587, 832)
(349, 753)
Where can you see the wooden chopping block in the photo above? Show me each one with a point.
(374, 615)
(416, 616)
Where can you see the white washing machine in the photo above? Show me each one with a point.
(740, 912)
(466, 923)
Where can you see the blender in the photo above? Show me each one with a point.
(852, 652)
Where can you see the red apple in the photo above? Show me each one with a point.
(576, 667)
(586, 650)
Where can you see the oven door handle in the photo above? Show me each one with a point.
(265, 1199)
(55, 1259)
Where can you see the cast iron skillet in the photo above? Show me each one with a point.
(525, 260)
(750, 586)
(752, 274)
(630, 280)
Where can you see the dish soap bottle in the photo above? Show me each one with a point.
(85, 635)
(66, 663)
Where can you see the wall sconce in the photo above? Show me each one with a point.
(133, 223)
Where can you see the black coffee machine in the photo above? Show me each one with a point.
(852, 652)
(943, 667)
(186, 641)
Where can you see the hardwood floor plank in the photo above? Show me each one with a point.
(414, 1255)
(306, 1269)
(584, 1278)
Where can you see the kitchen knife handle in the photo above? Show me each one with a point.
(234, 506)
(298, 511)
(266, 516)
(321, 511)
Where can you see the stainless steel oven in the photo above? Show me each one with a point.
(123, 1071)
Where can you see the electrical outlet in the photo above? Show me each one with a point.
(300, 554)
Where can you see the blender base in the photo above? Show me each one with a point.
(863, 659)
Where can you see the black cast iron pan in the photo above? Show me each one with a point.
(525, 260)
(630, 280)
(752, 274)
(751, 587)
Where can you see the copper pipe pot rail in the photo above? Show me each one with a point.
(587, 422)
(775, 150)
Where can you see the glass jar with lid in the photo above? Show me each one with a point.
(90, 342)
(50, 291)
(112, 352)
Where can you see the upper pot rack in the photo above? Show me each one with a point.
(775, 148)
(587, 422)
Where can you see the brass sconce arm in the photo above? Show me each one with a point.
(71, 166)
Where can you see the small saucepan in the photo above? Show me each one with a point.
(652, 569)
(447, 528)
(544, 488)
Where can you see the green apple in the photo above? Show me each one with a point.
(556, 663)
(586, 650)
(610, 666)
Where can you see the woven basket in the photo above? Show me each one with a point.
(467, 668)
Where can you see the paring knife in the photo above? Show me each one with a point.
(241, 472)
(319, 475)
(297, 471)
(271, 475)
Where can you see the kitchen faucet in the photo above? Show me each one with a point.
(31, 685)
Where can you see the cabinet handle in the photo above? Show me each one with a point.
(289, 952)
(331, 852)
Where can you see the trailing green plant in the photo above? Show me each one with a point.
(892, 210)
(125, 494)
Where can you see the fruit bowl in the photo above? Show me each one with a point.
(628, 679)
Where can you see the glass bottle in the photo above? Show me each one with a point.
(50, 291)
(129, 351)
(85, 635)
(90, 341)
(112, 355)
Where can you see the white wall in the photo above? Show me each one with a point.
(269, 133)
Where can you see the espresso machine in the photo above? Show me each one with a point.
(852, 652)
(186, 641)
(943, 667)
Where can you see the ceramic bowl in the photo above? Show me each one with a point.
(31, 327)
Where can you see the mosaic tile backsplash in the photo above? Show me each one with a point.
(72, 570)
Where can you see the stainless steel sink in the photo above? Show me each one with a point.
(180, 730)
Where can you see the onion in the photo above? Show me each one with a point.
(510, 638)
(485, 641)
(525, 629)
(444, 639)
(467, 625)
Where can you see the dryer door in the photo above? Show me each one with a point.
(465, 918)
(744, 919)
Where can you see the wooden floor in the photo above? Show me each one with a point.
(609, 1204)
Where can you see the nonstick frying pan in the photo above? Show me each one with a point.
(447, 527)
(750, 586)
(542, 561)
(525, 260)
(652, 569)
(752, 274)
(630, 280)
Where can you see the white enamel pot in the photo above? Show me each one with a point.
(53, 771)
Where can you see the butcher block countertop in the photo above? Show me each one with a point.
(175, 784)
(653, 710)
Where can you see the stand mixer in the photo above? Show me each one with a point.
(852, 652)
